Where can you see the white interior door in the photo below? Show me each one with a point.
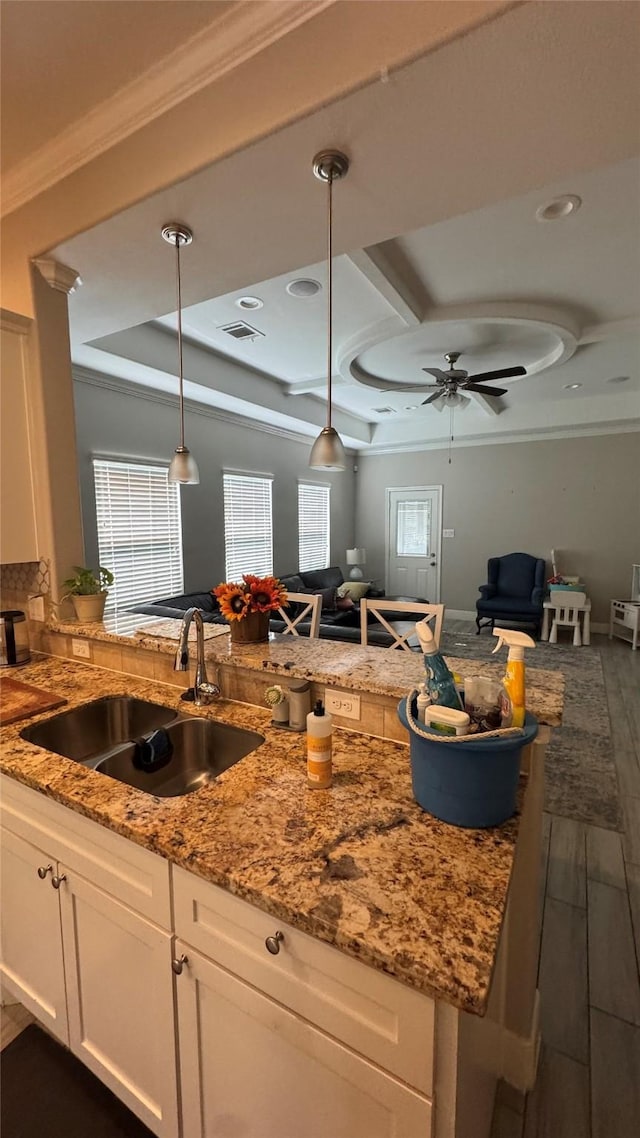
(413, 541)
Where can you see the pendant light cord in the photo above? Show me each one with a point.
(180, 378)
(330, 292)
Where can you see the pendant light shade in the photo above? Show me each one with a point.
(183, 467)
(327, 452)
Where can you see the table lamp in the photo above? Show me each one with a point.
(356, 557)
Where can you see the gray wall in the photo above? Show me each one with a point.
(111, 423)
(580, 496)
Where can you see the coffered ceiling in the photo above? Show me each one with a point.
(438, 248)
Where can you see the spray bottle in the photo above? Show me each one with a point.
(513, 701)
(439, 683)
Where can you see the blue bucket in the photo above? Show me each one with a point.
(470, 784)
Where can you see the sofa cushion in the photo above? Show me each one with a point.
(293, 583)
(354, 589)
(323, 578)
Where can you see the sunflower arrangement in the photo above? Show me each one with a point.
(255, 594)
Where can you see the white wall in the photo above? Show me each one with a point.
(116, 424)
(580, 496)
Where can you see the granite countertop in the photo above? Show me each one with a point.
(360, 865)
(333, 662)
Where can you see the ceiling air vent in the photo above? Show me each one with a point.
(241, 331)
(384, 410)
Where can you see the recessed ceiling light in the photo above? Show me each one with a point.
(618, 379)
(413, 407)
(572, 386)
(559, 208)
(303, 286)
(249, 302)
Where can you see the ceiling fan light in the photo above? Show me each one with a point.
(184, 468)
(327, 452)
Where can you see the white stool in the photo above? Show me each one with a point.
(566, 607)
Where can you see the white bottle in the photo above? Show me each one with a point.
(319, 737)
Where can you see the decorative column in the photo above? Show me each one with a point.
(53, 454)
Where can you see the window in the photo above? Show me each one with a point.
(413, 533)
(139, 531)
(248, 539)
(313, 525)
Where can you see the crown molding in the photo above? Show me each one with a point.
(58, 276)
(124, 387)
(14, 322)
(204, 58)
(549, 434)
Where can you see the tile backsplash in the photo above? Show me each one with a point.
(20, 581)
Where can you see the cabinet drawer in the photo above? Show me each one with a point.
(382, 1019)
(135, 876)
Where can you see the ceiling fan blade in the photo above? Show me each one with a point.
(437, 373)
(432, 398)
(484, 390)
(501, 373)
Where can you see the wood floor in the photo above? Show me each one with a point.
(589, 1077)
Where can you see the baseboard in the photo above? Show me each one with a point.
(520, 1055)
(460, 614)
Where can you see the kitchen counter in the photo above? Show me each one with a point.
(328, 662)
(360, 866)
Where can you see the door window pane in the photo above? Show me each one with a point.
(413, 528)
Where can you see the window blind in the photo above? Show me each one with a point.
(248, 537)
(313, 526)
(139, 531)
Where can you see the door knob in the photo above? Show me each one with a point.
(57, 880)
(178, 963)
(273, 943)
(43, 870)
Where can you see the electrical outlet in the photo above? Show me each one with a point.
(343, 703)
(35, 605)
(81, 648)
(448, 533)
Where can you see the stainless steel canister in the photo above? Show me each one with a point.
(299, 704)
(14, 638)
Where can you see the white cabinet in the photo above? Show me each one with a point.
(91, 969)
(32, 963)
(120, 1000)
(281, 1035)
(250, 1066)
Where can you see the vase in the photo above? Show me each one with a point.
(89, 606)
(252, 629)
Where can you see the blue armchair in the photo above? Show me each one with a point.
(514, 591)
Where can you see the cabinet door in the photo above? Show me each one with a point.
(120, 1000)
(250, 1066)
(32, 965)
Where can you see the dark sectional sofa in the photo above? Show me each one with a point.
(335, 623)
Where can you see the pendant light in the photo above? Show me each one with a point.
(183, 466)
(327, 452)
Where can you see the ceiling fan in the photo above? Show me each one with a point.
(449, 384)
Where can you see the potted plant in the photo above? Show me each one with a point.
(88, 591)
(246, 606)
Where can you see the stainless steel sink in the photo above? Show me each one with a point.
(200, 750)
(96, 727)
(112, 736)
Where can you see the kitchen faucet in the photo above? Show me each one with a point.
(203, 690)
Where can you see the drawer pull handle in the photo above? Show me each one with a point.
(57, 880)
(43, 870)
(273, 943)
(178, 963)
